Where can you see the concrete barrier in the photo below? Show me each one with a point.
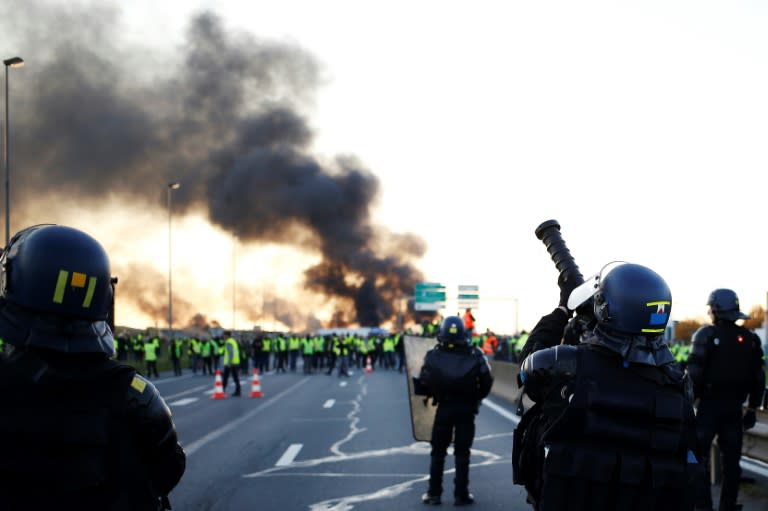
(755, 443)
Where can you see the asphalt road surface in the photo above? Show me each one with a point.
(324, 443)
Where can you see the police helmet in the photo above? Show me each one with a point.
(724, 304)
(452, 330)
(55, 290)
(633, 299)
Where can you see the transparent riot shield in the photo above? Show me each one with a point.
(422, 411)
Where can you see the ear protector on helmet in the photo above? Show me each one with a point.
(601, 308)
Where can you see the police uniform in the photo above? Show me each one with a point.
(81, 431)
(726, 367)
(71, 441)
(457, 377)
(613, 424)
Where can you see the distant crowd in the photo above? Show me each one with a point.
(282, 352)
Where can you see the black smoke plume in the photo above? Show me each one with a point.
(222, 115)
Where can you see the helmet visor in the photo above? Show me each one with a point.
(587, 290)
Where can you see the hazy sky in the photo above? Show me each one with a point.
(640, 126)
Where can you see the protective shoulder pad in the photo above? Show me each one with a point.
(703, 335)
(560, 358)
(144, 399)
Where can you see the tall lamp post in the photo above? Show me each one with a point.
(171, 187)
(234, 281)
(517, 311)
(12, 62)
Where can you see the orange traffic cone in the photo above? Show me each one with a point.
(368, 366)
(256, 384)
(218, 388)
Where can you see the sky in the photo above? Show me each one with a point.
(427, 139)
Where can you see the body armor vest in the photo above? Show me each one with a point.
(621, 439)
(452, 374)
(730, 361)
(64, 434)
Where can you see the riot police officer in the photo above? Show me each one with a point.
(726, 367)
(80, 430)
(613, 425)
(458, 377)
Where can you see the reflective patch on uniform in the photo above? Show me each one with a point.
(716, 342)
(89, 292)
(78, 279)
(61, 284)
(138, 384)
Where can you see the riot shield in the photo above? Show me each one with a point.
(422, 412)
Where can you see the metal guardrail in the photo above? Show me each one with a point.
(755, 444)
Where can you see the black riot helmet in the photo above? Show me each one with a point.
(634, 300)
(452, 331)
(55, 291)
(724, 304)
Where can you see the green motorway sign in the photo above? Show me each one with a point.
(429, 296)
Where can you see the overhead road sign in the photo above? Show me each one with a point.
(429, 296)
(469, 296)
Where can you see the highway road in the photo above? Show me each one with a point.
(324, 443)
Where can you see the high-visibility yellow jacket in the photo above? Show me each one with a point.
(231, 352)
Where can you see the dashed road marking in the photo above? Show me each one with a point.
(289, 455)
(182, 402)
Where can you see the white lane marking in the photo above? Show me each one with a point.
(501, 411)
(344, 475)
(329, 403)
(346, 503)
(190, 391)
(289, 455)
(182, 402)
(169, 378)
(342, 384)
(193, 447)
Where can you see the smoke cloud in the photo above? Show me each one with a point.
(224, 118)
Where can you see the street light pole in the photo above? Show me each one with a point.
(517, 313)
(171, 186)
(12, 62)
(234, 282)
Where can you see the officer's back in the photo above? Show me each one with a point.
(613, 426)
(80, 430)
(454, 369)
(726, 368)
(458, 377)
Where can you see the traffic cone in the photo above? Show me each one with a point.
(256, 384)
(368, 366)
(218, 388)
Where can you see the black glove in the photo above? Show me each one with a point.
(749, 420)
(419, 388)
(567, 283)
